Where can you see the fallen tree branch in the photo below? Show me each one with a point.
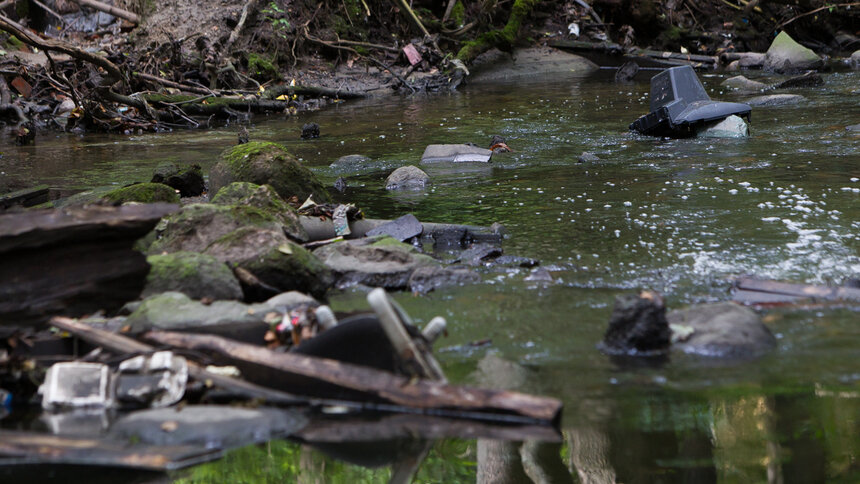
(417, 21)
(274, 92)
(165, 82)
(115, 11)
(50, 11)
(25, 36)
(811, 12)
(326, 377)
(251, 5)
(366, 45)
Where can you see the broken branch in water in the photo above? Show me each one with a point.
(322, 377)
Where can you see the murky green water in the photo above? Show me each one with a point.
(680, 216)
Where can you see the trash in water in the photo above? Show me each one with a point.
(156, 380)
(77, 385)
(455, 153)
(680, 105)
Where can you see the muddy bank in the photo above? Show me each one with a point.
(144, 66)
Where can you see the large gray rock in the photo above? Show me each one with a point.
(273, 259)
(775, 100)
(854, 60)
(174, 311)
(197, 226)
(723, 330)
(785, 56)
(731, 127)
(428, 278)
(196, 275)
(530, 64)
(407, 178)
(265, 163)
(246, 237)
(373, 261)
(208, 426)
(741, 83)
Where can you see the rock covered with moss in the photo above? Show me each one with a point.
(176, 311)
(189, 181)
(142, 193)
(273, 259)
(380, 261)
(244, 237)
(266, 199)
(262, 163)
(196, 275)
(197, 226)
(785, 55)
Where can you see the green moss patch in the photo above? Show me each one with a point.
(143, 193)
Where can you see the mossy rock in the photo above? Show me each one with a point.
(143, 193)
(262, 163)
(785, 56)
(262, 67)
(196, 275)
(273, 259)
(234, 193)
(85, 197)
(197, 226)
(266, 199)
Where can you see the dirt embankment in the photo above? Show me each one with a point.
(185, 63)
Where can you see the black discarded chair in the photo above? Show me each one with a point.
(680, 106)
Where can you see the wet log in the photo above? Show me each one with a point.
(325, 378)
(25, 198)
(277, 91)
(754, 291)
(72, 261)
(614, 55)
(32, 448)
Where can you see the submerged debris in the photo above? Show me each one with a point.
(680, 106)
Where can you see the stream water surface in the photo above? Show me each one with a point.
(679, 216)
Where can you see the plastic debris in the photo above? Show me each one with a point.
(455, 153)
(680, 105)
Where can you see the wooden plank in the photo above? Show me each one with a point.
(829, 293)
(29, 448)
(327, 378)
(40, 228)
(25, 198)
